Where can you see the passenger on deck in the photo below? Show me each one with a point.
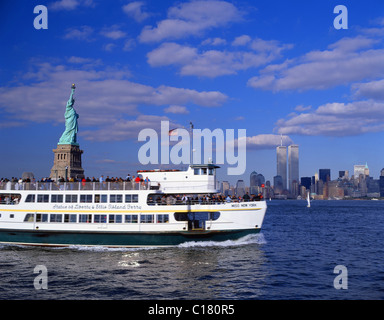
(246, 197)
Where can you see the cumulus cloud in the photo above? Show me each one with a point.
(214, 63)
(69, 5)
(102, 96)
(170, 53)
(303, 108)
(214, 42)
(113, 32)
(267, 141)
(371, 90)
(136, 10)
(336, 119)
(125, 129)
(191, 19)
(176, 109)
(345, 61)
(241, 40)
(84, 33)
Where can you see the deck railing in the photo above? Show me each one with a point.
(74, 186)
(199, 202)
(106, 186)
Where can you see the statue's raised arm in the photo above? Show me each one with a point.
(71, 127)
(71, 100)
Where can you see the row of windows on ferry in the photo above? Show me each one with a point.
(96, 218)
(84, 198)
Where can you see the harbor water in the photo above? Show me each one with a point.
(294, 257)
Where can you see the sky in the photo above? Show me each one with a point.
(271, 67)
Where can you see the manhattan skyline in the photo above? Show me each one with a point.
(273, 68)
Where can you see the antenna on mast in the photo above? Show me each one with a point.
(281, 139)
(191, 138)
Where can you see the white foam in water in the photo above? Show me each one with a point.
(249, 239)
(105, 249)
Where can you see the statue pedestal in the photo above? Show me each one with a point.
(67, 162)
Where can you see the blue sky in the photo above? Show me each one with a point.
(271, 67)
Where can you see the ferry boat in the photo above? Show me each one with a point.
(167, 208)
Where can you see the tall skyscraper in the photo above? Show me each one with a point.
(344, 174)
(240, 188)
(360, 169)
(325, 175)
(306, 182)
(256, 181)
(225, 187)
(293, 165)
(253, 182)
(381, 183)
(281, 152)
(278, 184)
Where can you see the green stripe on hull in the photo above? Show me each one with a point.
(56, 238)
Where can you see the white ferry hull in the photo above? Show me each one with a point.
(111, 239)
(234, 222)
(179, 209)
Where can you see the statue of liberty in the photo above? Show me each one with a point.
(71, 127)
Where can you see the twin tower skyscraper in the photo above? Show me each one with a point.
(293, 167)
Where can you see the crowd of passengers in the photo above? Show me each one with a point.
(12, 199)
(205, 199)
(128, 178)
(145, 183)
(20, 184)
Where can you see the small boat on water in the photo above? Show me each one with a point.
(308, 200)
(172, 207)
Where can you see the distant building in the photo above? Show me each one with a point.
(253, 181)
(320, 187)
(225, 186)
(306, 182)
(359, 169)
(294, 189)
(256, 181)
(366, 170)
(381, 185)
(373, 187)
(260, 180)
(344, 174)
(314, 180)
(278, 186)
(334, 190)
(293, 168)
(303, 192)
(281, 153)
(325, 175)
(240, 188)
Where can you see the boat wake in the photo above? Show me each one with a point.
(247, 240)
